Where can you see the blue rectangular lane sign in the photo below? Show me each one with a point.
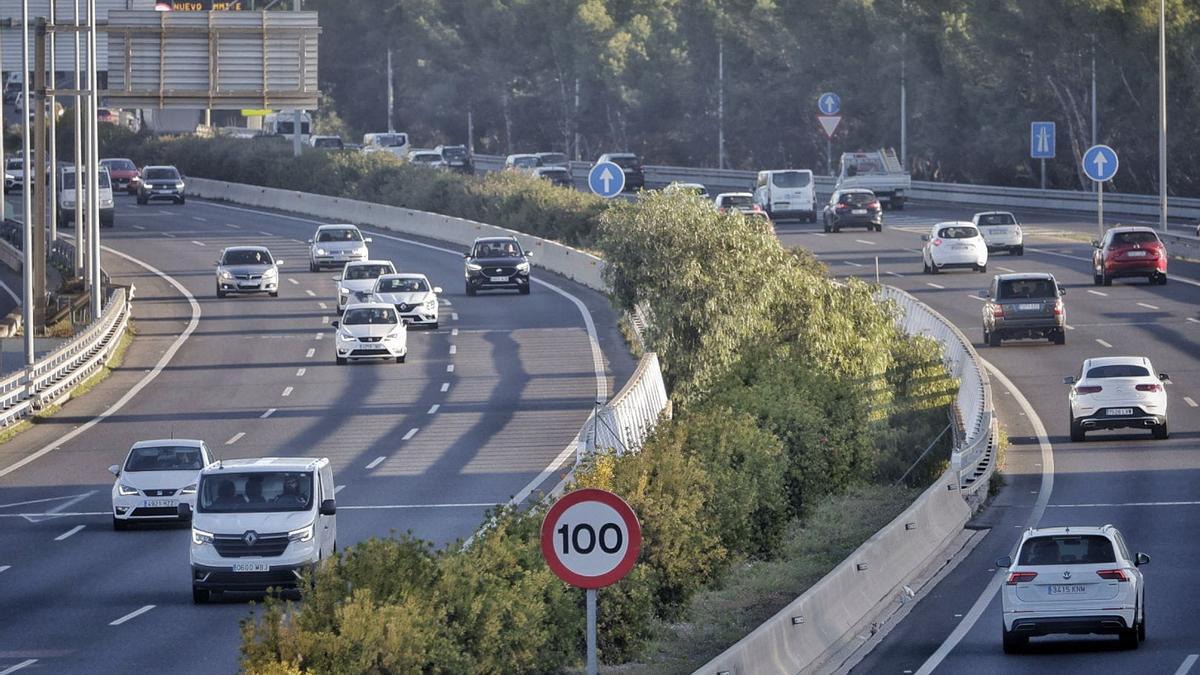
(1041, 140)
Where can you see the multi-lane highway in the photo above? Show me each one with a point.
(482, 407)
(1148, 489)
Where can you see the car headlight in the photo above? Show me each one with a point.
(343, 291)
(361, 250)
(200, 537)
(346, 337)
(179, 185)
(188, 489)
(322, 251)
(473, 267)
(271, 272)
(126, 491)
(430, 303)
(226, 275)
(523, 267)
(303, 534)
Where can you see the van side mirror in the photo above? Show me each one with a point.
(1004, 563)
(184, 510)
(1062, 290)
(114, 470)
(1141, 559)
(467, 254)
(328, 507)
(336, 277)
(308, 240)
(1070, 379)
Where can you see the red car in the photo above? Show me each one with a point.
(1129, 252)
(124, 174)
(107, 116)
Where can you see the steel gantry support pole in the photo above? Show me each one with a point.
(80, 234)
(52, 193)
(37, 243)
(93, 192)
(1162, 114)
(26, 188)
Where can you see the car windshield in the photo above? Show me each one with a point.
(457, 152)
(958, 232)
(790, 179)
(364, 316)
(255, 491)
(997, 219)
(165, 458)
(327, 143)
(497, 249)
(14, 164)
(1067, 549)
(1014, 289)
(858, 198)
(402, 285)
(1117, 370)
(1129, 238)
(391, 140)
(552, 158)
(339, 234)
(554, 173)
(247, 257)
(738, 201)
(119, 165)
(427, 157)
(162, 174)
(354, 272)
(524, 162)
(68, 180)
(625, 161)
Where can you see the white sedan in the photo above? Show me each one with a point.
(1118, 392)
(370, 330)
(357, 281)
(412, 295)
(954, 244)
(155, 478)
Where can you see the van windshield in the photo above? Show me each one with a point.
(791, 179)
(255, 491)
(68, 181)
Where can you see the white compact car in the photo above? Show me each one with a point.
(1118, 392)
(697, 189)
(412, 296)
(357, 281)
(954, 244)
(155, 479)
(260, 523)
(1075, 580)
(336, 245)
(1001, 231)
(370, 330)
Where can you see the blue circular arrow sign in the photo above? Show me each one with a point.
(829, 103)
(606, 179)
(1100, 163)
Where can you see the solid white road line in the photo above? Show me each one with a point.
(309, 354)
(453, 349)
(198, 218)
(1006, 269)
(380, 507)
(411, 432)
(73, 498)
(69, 532)
(287, 391)
(338, 489)
(309, 292)
(199, 243)
(300, 373)
(976, 297)
(376, 462)
(235, 438)
(136, 388)
(1147, 305)
(851, 263)
(76, 514)
(1099, 293)
(270, 411)
(1104, 344)
(818, 234)
(134, 614)
(1188, 400)
(24, 664)
(445, 386)
(1039, 509)
(933, 285)
(1122, 505)
(450, 368)
(1184, 668)
(433, 409)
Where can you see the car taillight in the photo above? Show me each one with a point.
(1113, 575)
(1090, 389)
(873, 205)
(1149, 387)
(998, 311)
(1058, 308)
(937, 242)
(1021, 577)
(842, 207)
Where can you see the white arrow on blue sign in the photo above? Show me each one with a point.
(1100, 163)
(1041, 140)
(829, 103)
(606, 179)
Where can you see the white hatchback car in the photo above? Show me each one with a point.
(357, 281)
(1074, 580)
(157, 476)
(412, 295)
(1118, 392)
(1001, 231)
(370, 330)
(954, 244)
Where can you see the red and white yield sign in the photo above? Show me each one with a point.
(591, 538)
(829, 124)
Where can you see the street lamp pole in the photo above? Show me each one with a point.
(27, 271)
(1162, 114)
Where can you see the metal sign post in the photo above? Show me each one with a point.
(1042, 144)
(1100, 163)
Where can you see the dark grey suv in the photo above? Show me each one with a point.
(1026, 306)
(497, 262)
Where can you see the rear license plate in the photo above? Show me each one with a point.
(1116, 412)
(497, 280)
(1136, 254)
(996, 232)
(859, 212)
(158, 503)
(1066, 589)
(251, 567)
(960, 247)
(1029, 307)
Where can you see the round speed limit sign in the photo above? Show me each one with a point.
(591, 538)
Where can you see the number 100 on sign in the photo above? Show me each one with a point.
(591, 538)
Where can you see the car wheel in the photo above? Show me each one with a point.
(181, 201)
(120, 525)
(470, 290)
(1021, 250)
(981, 269)
(1013, 643)
(1129, 638)
(1097, 279)
(525, 289)
(994, 339)
(879, 227)
(837, 228)
(433, 326)
(827, 226)
(200, 596)
(274, 294)
(312, 267)
(1078, 435)
(340, 361)
(400, 359)
(220, 293)
(1161, 432)
(1162, 279)
(933, 268)
(1106, 280)
(1060, 338)
(898, 204)
(141, 200)
(1141, 626)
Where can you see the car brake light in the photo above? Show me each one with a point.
(873, 205)
(1113, 575)
(937, 242)
(1090, 389)
(1149, 387)
(998, 311)
(1021, 577)
(1058, 308)
(842, 207)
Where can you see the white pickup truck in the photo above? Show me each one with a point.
(880, 172)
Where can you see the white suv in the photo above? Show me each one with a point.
(1001, 231)
(1076, 580)
(1118, 392)
(260, 523)
(155, 479)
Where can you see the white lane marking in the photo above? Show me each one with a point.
(1188, 400)
(69, 532)
(287, 391)
(338, 489)
(167, 234)
(139, 227)
(1193, 319)
(445, 386)
(380, 507)
(1147, 305)
(933, 285)
(851, 263)
(818, 234)
(1122, 505)
(976, 297)
(136, 388)
(1104, 344)
(30, 516)
(1099, 293)
(322, 305)
(914, 250)
(199, 243)
(454, 316)
(411, 432)
(1184, 668)
(445, 303)
(198, 218)
(300, 372)
(73, 498)
(450, 368)
(132, 615)
(1039, 509)
(320, 336)
(5, 568)
(11, 293)
(376, 462)
(270, 411)
(232, 226)
(235, 438)
(266, 234)
(293, 281)
(24, 664)
(300, 241)
(453, 331)
(895, 274)
(1006, 269)
(324, 321)
(453, 349)
(1070, 327)
(163, 213)
(309, 292)
(433, 409)
(864, 241)
(309, 354)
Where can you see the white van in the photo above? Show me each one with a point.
(284, 124)
(260, 523)
(66, 197)
(395, 142)
(788, 193)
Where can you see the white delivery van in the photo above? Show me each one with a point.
(260, 523)
(786, 194)
(66, 197)
(395, 142)
(284, 124)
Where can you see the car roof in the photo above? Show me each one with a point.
(735, 194)
(361, 263)
(404, 275)
(491, 239)
(619, 154)
(160, 166)
(1069, 529)
(522, 154)
(1132, 228)
(266, 464)
(370, 304)
(994, 213)
(185, 442)
(1024, 275)
(1117, 361)
(953, 223)
(847, 191)
(546, 169)
(245, 248)
(340, 226)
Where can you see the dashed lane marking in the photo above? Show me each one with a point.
(1099, 293)
(445, 387)
(338, 489)
(199, 219)
(450, 368)
(70, 532)
(454, 316)
(320, 336)
(1104, 344)
(199, 243)
(293, 281)
(132, 615)
(167, 234)
(895, 274)
(1184, 668)
(270, 411)
(232, 226)
(851, 263)
(411, 432)
(453, 349)
(976, 297)
(1147, 305)
(309, 354)
(287, 391)
(235, 438)
(1193, 319)
(310, 293)
(300, 372)
(322, 305)
(1006, 269)
(864, 241)
(324, 321)
(376, 462)
(933, 285)
(1188, 400)
(453, 332)
(139, 227)
(5, 568)
(24, 664)
(433, 409)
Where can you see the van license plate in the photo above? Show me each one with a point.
(251, 567)
(1066, 589)
(1117, 412)
(160, 503)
